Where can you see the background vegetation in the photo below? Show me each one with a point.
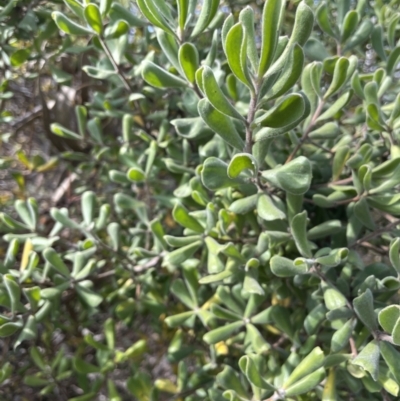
(200, 200)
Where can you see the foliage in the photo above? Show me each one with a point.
(238, 178)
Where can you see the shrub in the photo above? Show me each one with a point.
(238, 216)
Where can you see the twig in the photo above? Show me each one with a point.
(385, 395)
(320, 146)
(250, 118)
(353, 347)
(307, 131)
(376, 233)
(328, 184)
(117, 68)
(27, 118)
(380, 336)
(63, 188)
(380, 251)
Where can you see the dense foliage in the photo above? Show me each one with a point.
(235, 226)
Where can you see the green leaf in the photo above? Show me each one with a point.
(293, 177)
(220, 123)
(19, 57)
(269, 133)
(155, 15)
(182, 217)
(116, 30)
(361, 35)
(179, 319)
(250, 369)
(10, 328)
(235, 50)
(251, 284)
(93, 18)
(159, 78)
(98, 73)
(267, 208)
(349, 25)
(85, 397)
(329, 130)
(118, 11)
(364, 307)
(392, 358)
(89, 297)
(222, 333)
(394, 253)
(339, 161)
(338, 105)
(333, 298)
(114, 231)
(37, 357)
(241, 162)
(88, 204)
(377, 42)
(244, 205)
(341, 337)
(392, 60)
(189, 61)
(83, 367)
(64, 132)
(306, 384)
(68, 26)
(56, 262)
(290, 73)
(362, 212)
(323, 19)
(105, 6)
(214, 175)
(208, 10)
(226, 27)
(12, 223)
(228, 379)
(396, 333)
(271, 21)
(368, 359)
(388, 317)
(76, 7)
(109, 331)
(178, 256)
(81, 116)
(25, 214)
(312, 362)
(303, 24)
(334, 258)
(215, 95)
(286, 112)
(33, 296)
(136, 174)
(169, 47)
(246, 17)
(314, 319)
(284, 267)
(183, 8)
(28, 333)
(225, 314)
(325, 229)
(299, 231)
(339, 77)
(392, 29)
